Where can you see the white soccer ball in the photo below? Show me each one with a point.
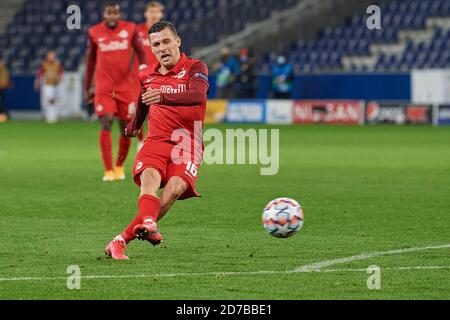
(283, 217)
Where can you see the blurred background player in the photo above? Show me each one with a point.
(154, 12)
(48, 78)
(5, 82)
(282, 78)
(246, 80)
(227, 70)
(111, 48)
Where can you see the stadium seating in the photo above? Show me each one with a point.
(41, 26)
(401, 22)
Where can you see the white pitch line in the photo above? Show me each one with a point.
(315, 267)
(328, 263)
(158, 275)
(218, 274)
(389, 269)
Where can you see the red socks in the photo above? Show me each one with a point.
(106, 149)
(124, 147)
(148, 208)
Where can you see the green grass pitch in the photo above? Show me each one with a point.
(363, 190)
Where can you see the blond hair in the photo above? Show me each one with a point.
(154, 4)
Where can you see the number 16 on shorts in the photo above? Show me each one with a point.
(191, 169)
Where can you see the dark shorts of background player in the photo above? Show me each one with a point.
(119, 104)
(158, 155)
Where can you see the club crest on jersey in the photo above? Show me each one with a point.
(180, 75)
(169, 89)
(123, 34)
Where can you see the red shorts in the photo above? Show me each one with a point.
(158, 155)
(121, 105)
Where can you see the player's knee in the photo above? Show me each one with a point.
(150, 178)
(106, 127)
(106, 122)
(176, 187)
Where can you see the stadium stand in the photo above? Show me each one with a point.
(40, 26)
(414, 34)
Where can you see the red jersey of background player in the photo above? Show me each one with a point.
(111, 57)
(142, 30)
(181, 87)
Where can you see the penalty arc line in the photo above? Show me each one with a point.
(310, 268)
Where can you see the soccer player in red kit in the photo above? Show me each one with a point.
(112, 44)
(173, 94)
(154, 12)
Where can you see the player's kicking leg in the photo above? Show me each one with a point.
(150, 210)
(173, 190)
(144, 224)
(148, 230)
(105, 141)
